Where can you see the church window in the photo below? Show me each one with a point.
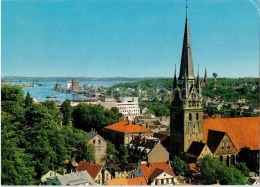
(197, 116)
(190, 116)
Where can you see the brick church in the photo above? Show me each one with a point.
(192, 136)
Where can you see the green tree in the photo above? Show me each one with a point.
(123, 154)
(28, 100)
(12, 93)
(90, 116)
(180, 167)
(66, 110)
(241, 166)
(17, 167)
(212, 170)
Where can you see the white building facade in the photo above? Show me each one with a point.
(128, 106)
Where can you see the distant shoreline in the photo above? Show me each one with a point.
(21, 78)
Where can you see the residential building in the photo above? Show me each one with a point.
(96, 171)
(123, 132)
(99, 144)
(147, 149)
(128, 106)
(82, 178)
(160, 173)
(123, 170)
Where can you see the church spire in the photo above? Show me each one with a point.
(174, 79)
(205, 77)
(186, 57)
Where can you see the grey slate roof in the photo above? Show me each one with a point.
(77, 178)
(90, 135)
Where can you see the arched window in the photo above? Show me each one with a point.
(99, 141)
(190, 116)
(197, 116)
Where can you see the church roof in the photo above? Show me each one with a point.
(243, 132)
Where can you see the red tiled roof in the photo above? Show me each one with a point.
(127, 127)
(92, 169)
(244, 132)
(149, 169)
(137, 181)
(129, 181)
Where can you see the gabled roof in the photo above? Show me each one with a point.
(76, 178)
(214, 139)
(243, 132)
(90, 135)
(127, 181)
(127, 127)
(195, 149)
(148, 169)
(156, 173)
(92, 169)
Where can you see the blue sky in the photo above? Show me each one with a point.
(127, 38)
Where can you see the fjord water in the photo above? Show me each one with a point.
(46, 89)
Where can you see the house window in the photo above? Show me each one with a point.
(94, 141)
(228, 145)
(167, 181)
(99, 141)
(197, 116)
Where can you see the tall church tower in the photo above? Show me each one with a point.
(186, 109)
